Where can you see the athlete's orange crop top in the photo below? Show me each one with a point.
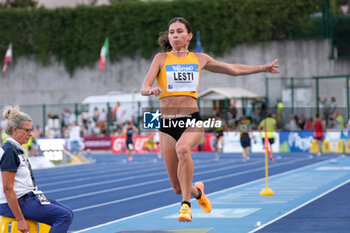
(179, 76)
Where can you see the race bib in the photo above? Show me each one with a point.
(182, 77)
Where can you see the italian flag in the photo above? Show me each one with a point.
(8, 58)
(103, 54)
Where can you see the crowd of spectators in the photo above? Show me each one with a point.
(256, 110)
(102, 121)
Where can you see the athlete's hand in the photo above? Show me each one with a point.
(155, 91)
(271, 67)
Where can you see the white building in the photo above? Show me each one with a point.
(70, 3)
(73, 3)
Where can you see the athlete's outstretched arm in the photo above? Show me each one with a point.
(215, 66)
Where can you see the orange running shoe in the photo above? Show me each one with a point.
(185, 213)
(203, 202)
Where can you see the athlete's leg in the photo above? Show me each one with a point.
(244, 153)
(187, 142)
(168, 144)
(221, 143)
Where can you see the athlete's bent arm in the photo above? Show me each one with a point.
(146, 88)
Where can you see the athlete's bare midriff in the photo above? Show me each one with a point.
(178, 106)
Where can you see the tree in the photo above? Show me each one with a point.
(19, 3)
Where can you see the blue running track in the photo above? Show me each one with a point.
(113, 195)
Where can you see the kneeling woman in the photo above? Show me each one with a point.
(19, 196)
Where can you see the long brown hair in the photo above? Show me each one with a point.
(163, 39)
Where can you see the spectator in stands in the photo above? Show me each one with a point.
(293, 123)
(137, 113)
(115, 110)
(233, 109)
(255, 112)
(325, 106)
(52, 128)
(102, 121)
(65, 117)
(74, 138)
(249, 111)
(84, 118)
(120, 114)
(95, 115)
(93, 130)
(36, 134)
(32, 147)
(301, 122)
(279, 116)
(309, 122)
(19, 195)
(333, 106)
(262, 109)
(337, 121)
(231, 122)
(3, 137)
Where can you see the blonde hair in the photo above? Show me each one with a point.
(15, 118)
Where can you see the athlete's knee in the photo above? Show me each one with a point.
(182, 151)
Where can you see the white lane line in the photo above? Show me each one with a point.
(111, 175)
(151, 182)
(106, 173)
(300, 206)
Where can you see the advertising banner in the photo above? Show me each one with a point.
(98, 143)
(119, 146)
(296, 141)
(301, 141)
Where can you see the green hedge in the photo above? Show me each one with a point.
(342, 36)
(75, 36)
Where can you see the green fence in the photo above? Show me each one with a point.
(336, 86)
(310, 95)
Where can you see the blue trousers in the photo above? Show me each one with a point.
(57, 215)
(74, 146)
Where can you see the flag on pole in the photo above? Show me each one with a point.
(8, 58)
(198, 43)
(104, 54)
